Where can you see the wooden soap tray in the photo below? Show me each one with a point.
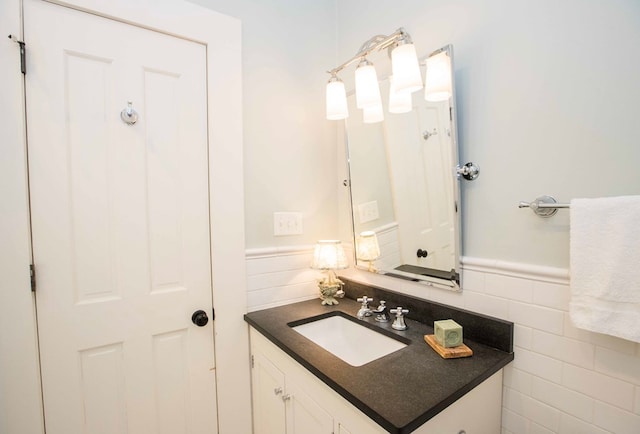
(448, 353)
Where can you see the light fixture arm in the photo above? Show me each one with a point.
(376, 43)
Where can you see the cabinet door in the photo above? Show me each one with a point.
(267, 383)
(304, 415)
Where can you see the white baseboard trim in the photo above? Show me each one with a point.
(515, 269)
(494, 266)
(268, 252)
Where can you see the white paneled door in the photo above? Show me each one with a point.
(422, 194)
(437, 229)
(120, 225)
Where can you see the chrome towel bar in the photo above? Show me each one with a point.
(544, 206)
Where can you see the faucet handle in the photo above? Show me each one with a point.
(364, 309)
(398, 323)
(399, 311)
(364, 300)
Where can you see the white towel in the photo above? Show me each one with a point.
(605, 265)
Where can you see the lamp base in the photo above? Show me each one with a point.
(329, 292)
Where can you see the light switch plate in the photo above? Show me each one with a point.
(287, 223)
(368, 211)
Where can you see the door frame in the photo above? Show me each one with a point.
(20, 400)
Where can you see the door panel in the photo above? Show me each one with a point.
(304, 415)
(102, 373)
(120, 225)
(437, 170)
(422, 208)
(268, 388)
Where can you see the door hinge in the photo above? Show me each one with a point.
(32, 274)
(23, 53)
(252, 361)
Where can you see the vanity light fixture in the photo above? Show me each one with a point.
(367, 248)
(437, 83)
(367, 89)
(405, 67)
(336, 99)
(328, 256)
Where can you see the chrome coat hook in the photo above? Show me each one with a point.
(128, 115)
(426, 133)
(469, 171)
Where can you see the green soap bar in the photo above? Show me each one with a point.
(448, 333)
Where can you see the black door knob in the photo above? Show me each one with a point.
(422, 253)
(200, 318)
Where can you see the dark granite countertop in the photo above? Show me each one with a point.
(404, 389)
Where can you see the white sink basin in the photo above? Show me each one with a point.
(348, 340)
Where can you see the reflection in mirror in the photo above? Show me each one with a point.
(404, 186)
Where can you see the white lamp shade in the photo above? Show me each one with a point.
(405, 68)
(367, 88)
(398, 102)
(437, 83)
(371, 115)
(367, 247)
(329, 255)
(336, 100)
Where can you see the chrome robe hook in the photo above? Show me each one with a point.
(128, 115)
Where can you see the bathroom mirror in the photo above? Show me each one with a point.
(404, 187)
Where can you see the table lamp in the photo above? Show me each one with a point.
(367, 248)
(328, 256)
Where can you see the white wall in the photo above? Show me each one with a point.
(289, 149)
(547, 104)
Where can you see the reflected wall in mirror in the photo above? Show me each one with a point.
(404, 185)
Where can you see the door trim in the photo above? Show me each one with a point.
(222, 36)
(20, 400)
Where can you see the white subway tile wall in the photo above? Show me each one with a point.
(563, 380)
(280, 276)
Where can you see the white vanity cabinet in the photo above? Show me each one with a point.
(288, 399)
(282, 406)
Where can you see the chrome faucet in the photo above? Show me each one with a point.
(364, 308)
(398, 323)
(382, 313)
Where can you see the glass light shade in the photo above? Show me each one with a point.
(329, 255)
(405, 68)
(437, 83)
(398, 102)
(336, 100)
(367, 88)
(371, 115)
(367, 246)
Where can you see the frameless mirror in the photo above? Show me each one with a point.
(404, 188)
